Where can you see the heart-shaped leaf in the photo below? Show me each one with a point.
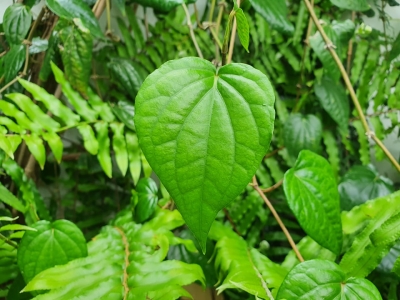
(204, 132)
(323, 279)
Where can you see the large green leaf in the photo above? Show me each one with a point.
(311, 192)
(302, 132)
(357, 5)
(275, 13)
(16, 23)
(323, 279)
(13, 61)
(334, 100)
(52, 244)
(147, 196)
(362, 183)
(72, 9)
(204, 133)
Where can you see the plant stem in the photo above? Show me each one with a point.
(220, 13)
(268, 155)
(278, 219)
(273, 188)
(349, 86)
(189, 23)
(233, 37)
(8, 241)
(35, 24)
(108, 9)
(210, 17)
(350, 50)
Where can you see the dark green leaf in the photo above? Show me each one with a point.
(363, 183)
(52, 244)
(323, 279)
(31, 3)
(388, 233)
(125, 111)
(275, 13)
(147, 191)
(334, 100)
(72, 9)
(16, 23)
(214, 125)
(357, 5)
(242, 28)
(38, 45)
(13, 62)
(121, 6)
(137, 31)
(8, 198)
(302, 132)
(311, 192)
(50, 55)
(395, 51)
(393, 3)
(162, 5)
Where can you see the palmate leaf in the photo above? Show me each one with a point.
(125, 261)
(205, 135)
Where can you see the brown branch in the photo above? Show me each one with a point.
(349, 86)
(231, 221)
(192, 35)
(273, 188)
(268, 155)
(278, 219)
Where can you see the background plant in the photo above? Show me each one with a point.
(70, 152)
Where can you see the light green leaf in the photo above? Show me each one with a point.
(365, 156)
(119, 146)
(103, 155)
(127, 38)
(323, 279)
(36, 147)
(214, 125)
(72, 9)
(16, 227)
(357, 5)
(242, 28)
(55, 144)
(311, 192)
(52, 244)
(5, 143)
(15, 141)
(16, 23)
(332, 149)
(388, 233)
(275, 13)
(103, 109)
(363, 183)
(10, 110)
(8, 198)
(147, 191)
(13, 61)
(134, 152)
(302, 132)
(137, 31)
(333, 98)
(89, 140)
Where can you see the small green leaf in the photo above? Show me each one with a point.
(215, 125)
(72, 9)
(302, 132)
(5, 143)
(13, 62)
(137, 31)
(10, 110)
(357, 5)
(103, 109)
(147, 191)
(36, 147)
(8, 198)
(275, 13)
(14, 227)
(311, 192)
(52, 244)
(134, 155)
(16, 23)
(55, 144)
(89, 140)
(334, 100)
(125, 112)
(243, 28)
(323, 279)
(363, 183)
(127, 38)
(38, 45)
(388, 233)
(103, 155)
(119, 147)
(162, 5)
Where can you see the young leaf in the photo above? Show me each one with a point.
(147, 191)
(275, 13)
(388, 233)
(103, 155)
(125, 111)
(334, 100)
(243, 28)
(312, 195)
(357, 5)
(323, 279)
(214, 125)
(89, 140)
(119, 146)
(302, 132)
(72, 9)
(16, 23)
(51, 244)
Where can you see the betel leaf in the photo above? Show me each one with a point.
(204, 132)
(16, 23)
(52, 244)
(147, 191)
(311, 192)
(73, 9)
(334, 100)
(357, 5)
(363, 183)
(275, 13)
(323, 279)
(242, 28)
(302, 132)
(13, 61)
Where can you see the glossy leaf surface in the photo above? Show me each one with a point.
(16, 23)
(206, 134)
(323, 279)
(147, 191)
(311, 192)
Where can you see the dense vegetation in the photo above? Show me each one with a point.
(233, 148)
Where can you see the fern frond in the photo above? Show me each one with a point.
(125, 261)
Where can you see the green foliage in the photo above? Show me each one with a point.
(201, 122)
